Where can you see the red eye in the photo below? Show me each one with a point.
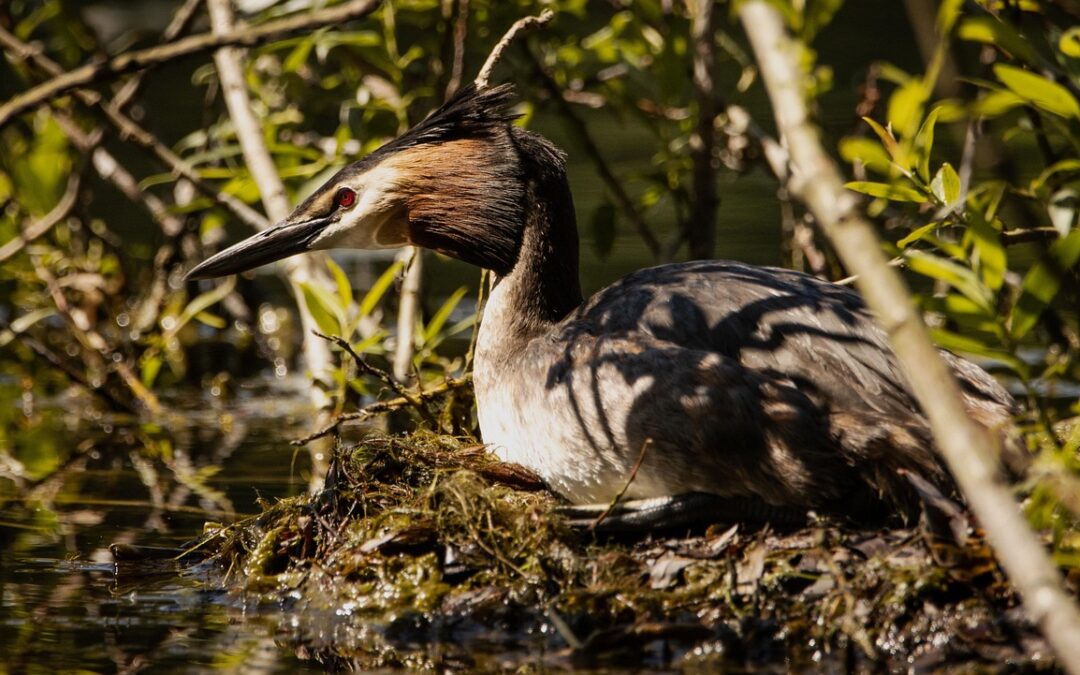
(345, 198)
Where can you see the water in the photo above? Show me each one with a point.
(62, 605)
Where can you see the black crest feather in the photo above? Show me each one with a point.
(471, 113)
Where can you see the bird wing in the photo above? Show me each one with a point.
(817, 334)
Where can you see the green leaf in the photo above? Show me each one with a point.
(200, 303)
(149, 368)
(959, 277)
(1042, 283)
(990, 30)
(906, 106)
(946, 185)
(975, 347)
(917, 234)
(896, 193)
(602, 226)
(440, 317)
(995, 103)
(948, 13)
(323, 307)
(887, 139)
(212, 320)
(991, 253)
(1063, 166)
(924, 142)
(379, 288)
(867, 151)
(344, 288)
(1069, 44)
(1041, 92)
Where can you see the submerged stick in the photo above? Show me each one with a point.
(965, 446)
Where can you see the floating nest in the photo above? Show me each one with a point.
(425, 551)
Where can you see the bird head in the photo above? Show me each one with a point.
(453, 183)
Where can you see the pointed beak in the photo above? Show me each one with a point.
(275, 243)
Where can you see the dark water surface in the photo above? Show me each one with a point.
(63, 607)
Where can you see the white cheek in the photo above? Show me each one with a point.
(365, 227)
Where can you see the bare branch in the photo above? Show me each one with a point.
(457, 64)
(130, 130)
(408, 310)
(1044, 234)
(40, 227)
(701, 229)
(379, 407)
(520, 27)
(965, 446)
(380, 374)
(300, 270)
(588, 145)
(141, 59)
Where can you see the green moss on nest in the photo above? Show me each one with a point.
(426, 540)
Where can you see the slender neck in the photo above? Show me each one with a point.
(542, 285)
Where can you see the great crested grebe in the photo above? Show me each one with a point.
(742, 390)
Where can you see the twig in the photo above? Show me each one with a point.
(898, 261)
(110, 169)
(379, 407)
(102, 69)
(1011, 237)
(380, 374)
(701, 228)
(180, 21)
(408, 311)
(39, 348)
(589, 147)
(300, 270)
(521, 26)
(481, 301)
(130, 130)
(965, 446)
(626, 486)
(40, 227)
(457, 63)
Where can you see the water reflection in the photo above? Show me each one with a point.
(72, 485)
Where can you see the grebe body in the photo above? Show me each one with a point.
(759, 385)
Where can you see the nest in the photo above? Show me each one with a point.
(425, 551)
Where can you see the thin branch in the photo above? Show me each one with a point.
(966, 447)
(1044, 234)
(73, 373)
(130, 130)
(40, 227)
(626, 486)
(110, 169)
(588, 145)
(701, 228)
(103, 69)
(520, 27)
(457, 63)
(409, 301)
(300, 269)
(379, 407)
(182, 19)
(381, 375)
